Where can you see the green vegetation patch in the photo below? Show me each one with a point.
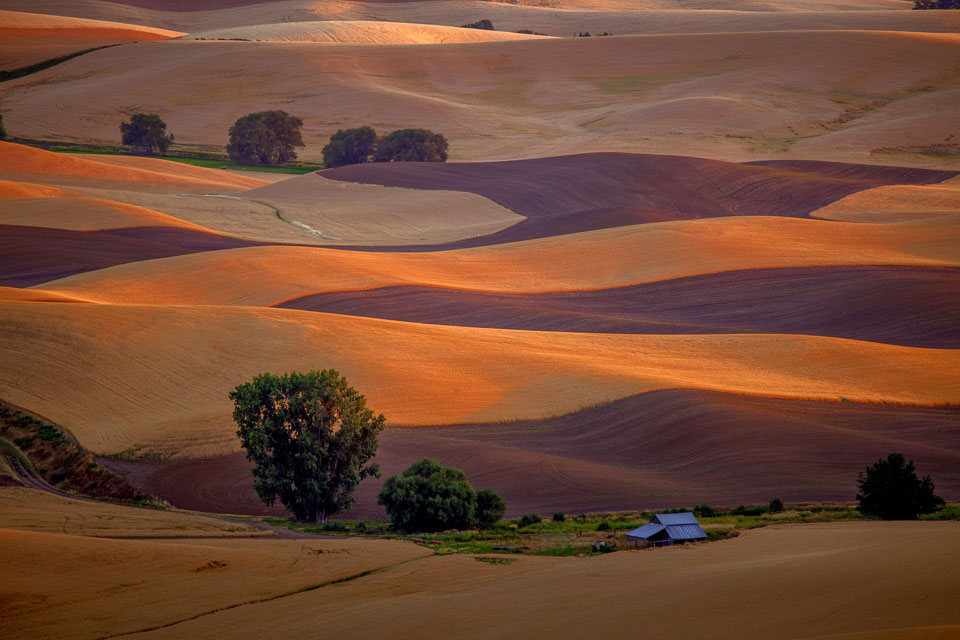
(489, 560)
(208, 161)
(33, 447)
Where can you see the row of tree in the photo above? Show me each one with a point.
(269, 138)
(311, 438)
(936, 4)
(361, 144)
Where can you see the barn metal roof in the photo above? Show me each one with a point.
(675, 518)
(686, 532)
(679, 526)
(646, 531)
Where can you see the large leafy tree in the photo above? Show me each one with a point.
(146, 133)
(430, 497)
(891, 490)
(350, 146)
(310, 437)
(265, 138)
(412, 145)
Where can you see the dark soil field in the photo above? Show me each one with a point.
(654, 450)
(910, 306)
(569, 194)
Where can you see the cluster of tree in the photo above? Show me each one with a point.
(586, 34)
(3, 132)
(311, 437)
(146, 133)
(269, 137)
(936, 4)
(361, 144)
(262, 138)
(479, 24)
(431, 497)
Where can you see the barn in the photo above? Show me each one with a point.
(667, 529)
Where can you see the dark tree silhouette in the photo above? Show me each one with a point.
(146, 133)
(891, 490)
(412, 145)
(350, 146)
(265, 138)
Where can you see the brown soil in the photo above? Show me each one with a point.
(661, 449)
(909, 306)
(569, 194)
(33, 255)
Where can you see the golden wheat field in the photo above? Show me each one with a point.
(680, 253)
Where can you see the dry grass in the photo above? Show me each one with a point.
(59, 585)
(780, 582)
(20, 163)
(41, 512)
(733, 96)
(620, 256)
(122, 376)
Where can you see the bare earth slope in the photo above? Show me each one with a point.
(156, 378)
(853, 94)
(654, 450)
(29, 38)
(897, 305)
(557, 18)
(358, 32)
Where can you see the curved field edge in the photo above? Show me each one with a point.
(653, 450)
(122, 376)
(908, 306)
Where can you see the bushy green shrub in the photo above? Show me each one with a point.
(529, 520)
(479, 24)
(749, 511)
(559, 516)
(431, 497)
(490, 508)
(776, 505)
(704, 511)
(604, 526)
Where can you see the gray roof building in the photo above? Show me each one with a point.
(668, 528)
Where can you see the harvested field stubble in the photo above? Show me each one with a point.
(606, 258)
(762, 584)
(158, 377)
(535, 98)
(59, 585)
